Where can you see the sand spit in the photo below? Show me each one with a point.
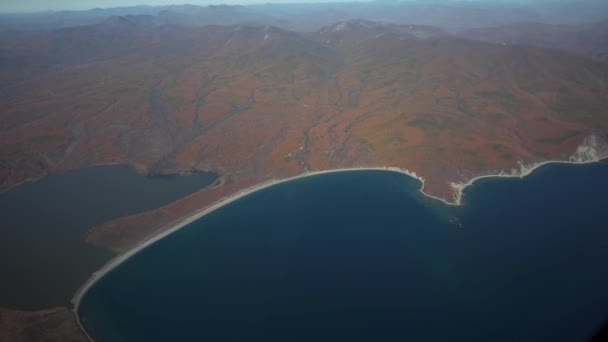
(593, 149)
(115, 262)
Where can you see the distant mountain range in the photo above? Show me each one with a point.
(311, 17)
(587, 39)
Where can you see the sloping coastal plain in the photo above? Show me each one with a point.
(259, 103)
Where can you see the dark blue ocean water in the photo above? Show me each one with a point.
(362, 256)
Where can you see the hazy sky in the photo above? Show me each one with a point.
(43, 5)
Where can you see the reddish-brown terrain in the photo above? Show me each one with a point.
(590, 39)
(52, 325)
(445, 108)
(255, 103)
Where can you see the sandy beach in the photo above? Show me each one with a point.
(589, 152)
(184, 222)
(115, 262)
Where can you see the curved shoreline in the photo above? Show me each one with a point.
(115, 262)
(458, 189)
(526, 171)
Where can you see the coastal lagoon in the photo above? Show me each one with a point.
(43, 254)
(364, 256)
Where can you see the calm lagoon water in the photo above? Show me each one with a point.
(362, 256)
(43, 254)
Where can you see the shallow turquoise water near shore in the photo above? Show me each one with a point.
(362, 256)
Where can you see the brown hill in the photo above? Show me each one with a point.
(212, 15)
(112, 38)
(590, 40)
(353, 33)
(257, 102)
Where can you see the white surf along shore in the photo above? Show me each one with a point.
(593, 149)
